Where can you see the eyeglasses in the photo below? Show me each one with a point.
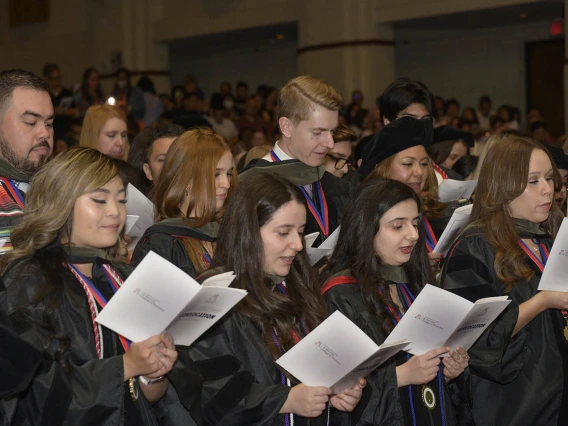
(339, 162)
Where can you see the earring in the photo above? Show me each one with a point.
(187, 192)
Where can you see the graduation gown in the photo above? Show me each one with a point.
(164, 238)
(242, 383)
(519, 380)
(338, 192)
(63, 331)
(384, 402)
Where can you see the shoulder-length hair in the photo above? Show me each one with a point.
(431, 207)
(240, 249)
(504, 177)
(94, 122)
(190, 164)
(48, 216)
(355, 246)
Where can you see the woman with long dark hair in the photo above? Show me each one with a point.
(519, 365)
(67, 262)
(261, 240)
(377, 268)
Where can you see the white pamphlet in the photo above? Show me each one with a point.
(159, 296)
(451, 190)
(138, 205)
(2, 242)
(439, 318)
(325, 248)
(336, 354)
(555, 275)
(457, 223)
(310, 239)
(130, 222)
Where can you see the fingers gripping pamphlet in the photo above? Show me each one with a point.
(439, 318)
(158, 296)
(554, 276)
(457, 223)
(336, 354)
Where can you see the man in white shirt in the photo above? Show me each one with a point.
(308, 113)
(220, 124)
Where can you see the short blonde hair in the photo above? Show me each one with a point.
(95, 121)
(297, 98)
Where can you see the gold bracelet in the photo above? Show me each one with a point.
(133, 388)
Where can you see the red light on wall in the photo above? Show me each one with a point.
(556, 28)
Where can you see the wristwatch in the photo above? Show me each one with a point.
(150, 381)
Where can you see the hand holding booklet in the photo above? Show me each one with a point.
(158, 296)
(555, 275)
(438, 318)
(336, 354)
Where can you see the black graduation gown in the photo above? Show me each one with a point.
(338, 193)
(519, 380)
(99, 395)
(165, 240)
(386, 403)
(242, 383)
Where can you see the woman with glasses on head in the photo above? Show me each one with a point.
(337, 159)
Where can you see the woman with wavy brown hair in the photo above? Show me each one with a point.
(519, 374)
(197, 178)
(66, 264)
(261, 240)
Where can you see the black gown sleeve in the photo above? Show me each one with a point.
(241, 385)
(167, 246)
(497, 355)
(380, 404)
(97, 385)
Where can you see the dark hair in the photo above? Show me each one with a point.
(439, 152)
(355, 247)
(494, 120)
(240, 249)
(535, 125)
(49, 68)
(484, 100)
(11, 79)
(466, 165)
(473, 113)
(400, 94)
(451, 102)
(146, 84)
(242, 84)
(85, 86)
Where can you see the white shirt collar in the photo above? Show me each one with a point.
(279, 153)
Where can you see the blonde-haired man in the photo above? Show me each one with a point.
(307, 114)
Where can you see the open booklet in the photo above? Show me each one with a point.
(451, 190)
(439, 318)
(325, 248)
(556, 269)
(138, 205)
(336, 354)
(159, 296)
(457, 223)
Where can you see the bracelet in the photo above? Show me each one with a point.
(133, 389)
(149, 381)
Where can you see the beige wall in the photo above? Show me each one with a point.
(188, 18)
